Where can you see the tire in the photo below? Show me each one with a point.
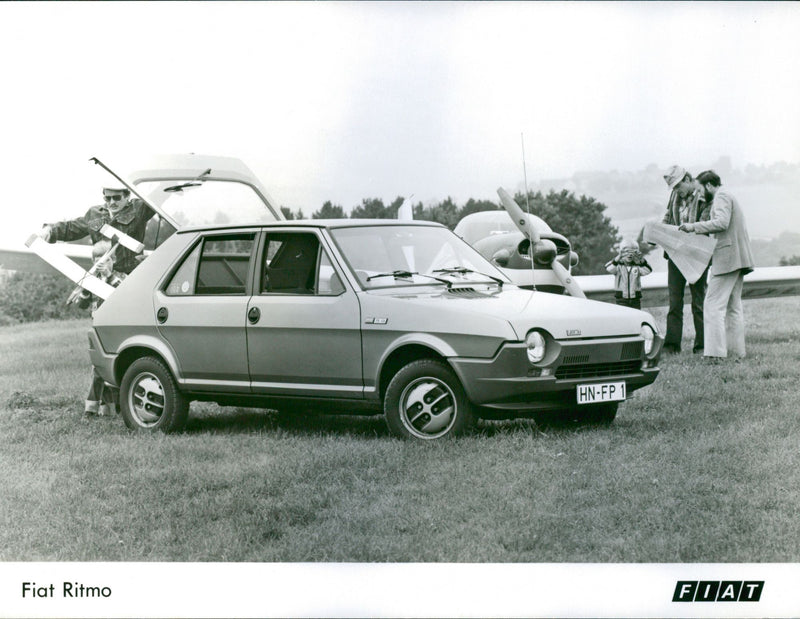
(426, 401)
(601, 414)
(149, 398)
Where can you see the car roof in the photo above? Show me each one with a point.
(316, 223)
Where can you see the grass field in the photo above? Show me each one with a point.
(702, 466)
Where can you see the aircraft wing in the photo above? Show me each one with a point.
(28, 261)
(601, 288)
(85, 279)
(761, 283)
(772, 282)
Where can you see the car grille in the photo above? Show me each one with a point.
(575, 359)
(598, 370)
(632, 350)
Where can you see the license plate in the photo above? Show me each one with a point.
(601, 392)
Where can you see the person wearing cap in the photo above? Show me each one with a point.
(687, 204)
(128, 215)
(628, 267)
(731, 261)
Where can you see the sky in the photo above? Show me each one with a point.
(343, 101)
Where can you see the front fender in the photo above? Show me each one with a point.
(439, 345)
(401, 350)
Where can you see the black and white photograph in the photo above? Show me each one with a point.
(399, 309)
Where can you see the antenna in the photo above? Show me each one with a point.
(525, 173)
(528, 206)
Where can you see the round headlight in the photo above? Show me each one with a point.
(535, 343)
(649, 336)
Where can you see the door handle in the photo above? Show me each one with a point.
(253, 315)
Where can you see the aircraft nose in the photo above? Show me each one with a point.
(544, 252)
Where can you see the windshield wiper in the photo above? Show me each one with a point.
(192, 183)
(181, 187)
(395, 274)
(464, 270)
(407, 274)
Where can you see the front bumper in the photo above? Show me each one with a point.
(509, 382)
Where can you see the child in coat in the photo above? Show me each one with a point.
(628, 268)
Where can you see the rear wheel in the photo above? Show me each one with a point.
(149, 398)
(426, 401)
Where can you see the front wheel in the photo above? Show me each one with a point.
(426, 401)
(149, 398)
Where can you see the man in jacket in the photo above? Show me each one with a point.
(731, 261)
(126, 215)
(687, 204)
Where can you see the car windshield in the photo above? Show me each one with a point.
(206, 202)
(385, 256)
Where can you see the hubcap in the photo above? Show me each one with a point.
(428, 408)
(146, 399)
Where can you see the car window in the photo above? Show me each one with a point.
(205, 202)
(295, 263)
(327, 278)
(420, 253)
(218, 265)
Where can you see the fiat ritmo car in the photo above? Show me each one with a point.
(375, 316)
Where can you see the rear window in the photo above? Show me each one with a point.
(218, 265)
(207, 203)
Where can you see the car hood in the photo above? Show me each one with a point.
(564, 317)
(192, 190)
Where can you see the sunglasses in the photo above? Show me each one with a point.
(115, 198)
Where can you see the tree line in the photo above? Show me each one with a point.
(581, 219)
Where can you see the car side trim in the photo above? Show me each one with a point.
(311, 389)
(231, 386)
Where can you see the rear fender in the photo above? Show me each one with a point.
(141, 345)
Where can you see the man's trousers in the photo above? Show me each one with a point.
(676, 285)
(724, 316)
(102, 399)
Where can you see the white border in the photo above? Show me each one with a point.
(392, 590)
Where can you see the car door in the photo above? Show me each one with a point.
(303, 329)
(202, 312)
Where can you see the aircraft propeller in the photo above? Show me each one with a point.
(541, 251)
